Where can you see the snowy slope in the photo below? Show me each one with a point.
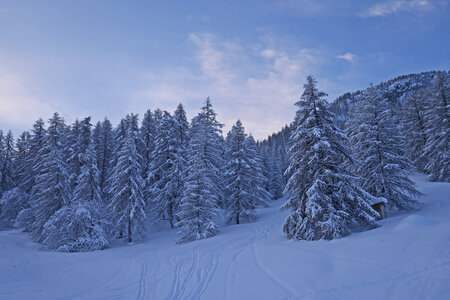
(407, 258)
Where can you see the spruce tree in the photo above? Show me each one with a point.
(7, 168)
(376, 139)
(50, 191)
(243, 177)
(104, 145)
(80, 136)
(148, 135)
(165, 177)
(437, 117)
(23, 162)
(324, 198)
(258, 180)
(127, 187)
(201, 193)
(414, 129)
(81, 225)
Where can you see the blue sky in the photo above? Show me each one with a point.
(110, 58)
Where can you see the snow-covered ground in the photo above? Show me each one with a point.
(407, 258)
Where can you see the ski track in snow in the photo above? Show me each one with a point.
(143, 283)
(406, 258)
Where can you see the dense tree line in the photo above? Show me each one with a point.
(78, 187)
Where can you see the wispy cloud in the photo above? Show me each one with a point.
(347, 56)
(395, 6)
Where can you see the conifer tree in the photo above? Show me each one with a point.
(104, 145)
(81, 225)
(201, 193)
(243, 176)
(258, 180)
(182, 125)
(376, 138)
(127, 187)
(80, 136)
(324, 198)
(23, 162)
(12, 203)
(437, 116)
(7, 168)
(50, 191)
(415, 130)
(148, 135)
(165, 178)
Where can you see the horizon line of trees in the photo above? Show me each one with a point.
(77, 187)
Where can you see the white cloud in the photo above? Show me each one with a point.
(395, 6)
(261, 95)
(347, 56)
(268, 53)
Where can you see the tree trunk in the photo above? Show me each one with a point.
(130, 238)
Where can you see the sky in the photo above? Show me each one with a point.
(110, 58)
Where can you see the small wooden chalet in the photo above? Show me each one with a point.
(379, 204)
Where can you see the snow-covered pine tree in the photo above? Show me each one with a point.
(414, 129)
(437, 118)
(81, 134)
(276, 183)
(127, 187)
(50, 191)
(201, 194)
(243, 177)
(104, 145)
(260, 196)
(23, 162)
(12, 203)
(239, 190)
(88, 185)
(25, 218)
(165, 177)
(37, 142)
(157, 115)
(378, 145)
(7, 168)
(148, 135)
(324, 198)
(214, 146)
(81, 226)
(182, 125)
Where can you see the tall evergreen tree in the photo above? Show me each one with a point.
(214, 147)
(414, 128)
(182, 125)
(375, 136)
(104, 146)
(88, 185)
(437, 117)
(243, 176)
(201, 193)
(23, 162)
(127, 187)
(50, 191)
(81, 225)
(324, 198)
(81, 136)
(148, 136)
(258, 179)
(166, 171)
(7, 168)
